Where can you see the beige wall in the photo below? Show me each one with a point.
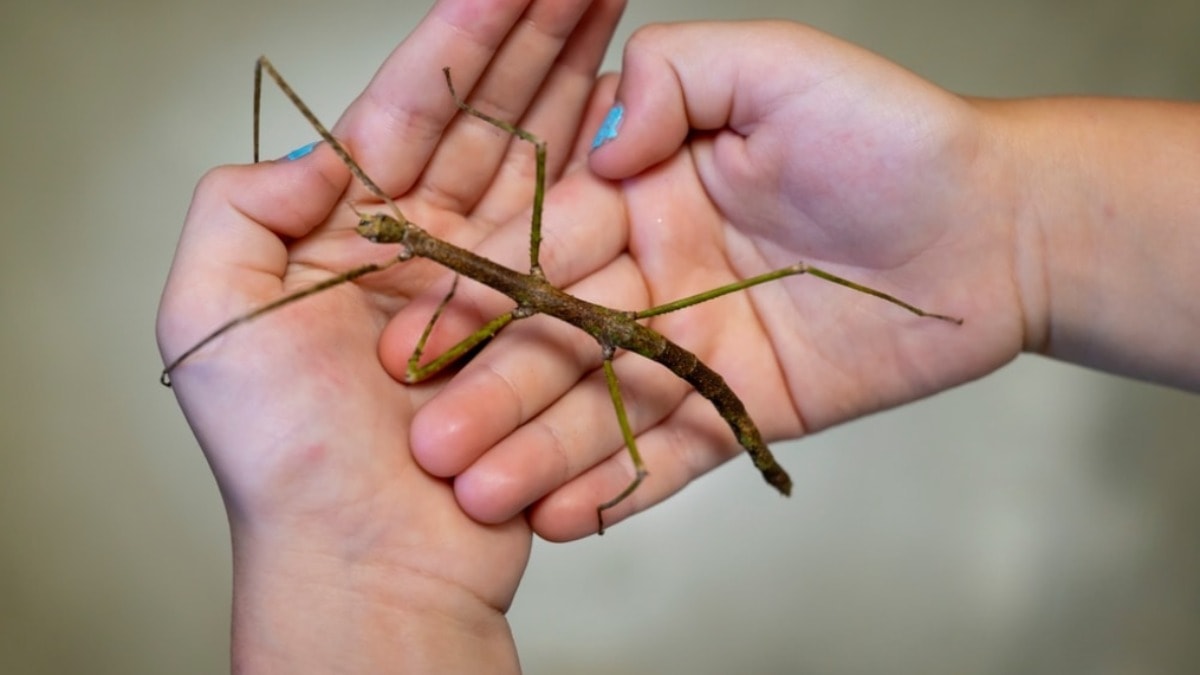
(1042, 520)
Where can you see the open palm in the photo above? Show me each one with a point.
(306, 433)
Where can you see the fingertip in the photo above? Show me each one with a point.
(435, 441)
(486, 494)
(633, 137)
(609, 126)
(240, 212)
(449, 434)
(569, 514)
(513, 475)
(300, 152)
(645, 120)
(287, 197)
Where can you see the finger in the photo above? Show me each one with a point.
(470, 151)
(397, 115)
(554, 115)
(599, 105)
(398, 123)
(692, 441)
(577, 432)
(678, 77)
(519, 179)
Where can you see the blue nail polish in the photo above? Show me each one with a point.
(301, 151)
(610, 127)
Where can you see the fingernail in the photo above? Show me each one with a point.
(611, 125)
(301, 151)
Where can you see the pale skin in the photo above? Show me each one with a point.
(1067, 227)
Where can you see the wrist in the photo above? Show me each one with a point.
(305, 608)
(1106, 231)
(1017, 157)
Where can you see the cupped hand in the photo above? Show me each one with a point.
(742, 148)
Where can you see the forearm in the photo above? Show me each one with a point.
(298, 612)
(1108, 232)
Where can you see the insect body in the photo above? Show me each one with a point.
(613, 329)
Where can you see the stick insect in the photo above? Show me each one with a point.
(533, 294)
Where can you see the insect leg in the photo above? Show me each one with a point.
(539, 189)
(640, 473)
(418, 373)
(798, 268)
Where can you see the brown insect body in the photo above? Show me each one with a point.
(613, 329)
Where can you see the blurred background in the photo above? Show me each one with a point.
(1043, 520)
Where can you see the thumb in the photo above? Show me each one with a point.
(232, 252)
(691, 76)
